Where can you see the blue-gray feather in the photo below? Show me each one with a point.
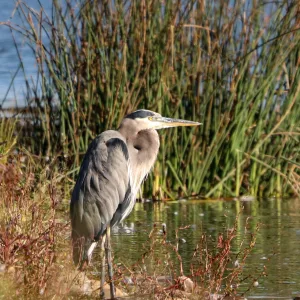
(101, 192)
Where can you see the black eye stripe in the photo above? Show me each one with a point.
(140, 114)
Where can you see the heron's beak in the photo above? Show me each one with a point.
(162, 122)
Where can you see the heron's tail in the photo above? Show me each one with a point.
(80, 248)
(82, 251)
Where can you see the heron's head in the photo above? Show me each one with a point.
(146, 119)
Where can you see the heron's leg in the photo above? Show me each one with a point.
(102, 256)
(109, 263)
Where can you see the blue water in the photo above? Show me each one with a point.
(9, 60)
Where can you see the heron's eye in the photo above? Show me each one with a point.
(150, 118)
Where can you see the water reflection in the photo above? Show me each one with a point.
(277, 244)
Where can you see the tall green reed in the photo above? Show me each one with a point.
(234, 66)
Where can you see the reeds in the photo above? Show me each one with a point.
(234, 66)
(7, 138)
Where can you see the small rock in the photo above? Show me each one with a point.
(255, 283)
(82, 285)
(187, 284)
(2, 268)
(11, 270)
(163, 279)
(42, 291)
(128, 280)
(247, 198)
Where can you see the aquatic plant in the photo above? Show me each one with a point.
(233, 66)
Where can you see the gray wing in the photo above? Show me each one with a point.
(102, 190)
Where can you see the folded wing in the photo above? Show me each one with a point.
(101, 192)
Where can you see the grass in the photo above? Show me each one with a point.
(8, 139)
(30, 227)
(234, 68)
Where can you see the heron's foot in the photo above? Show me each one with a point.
(102, 294)
(83, 265)
(112, 290)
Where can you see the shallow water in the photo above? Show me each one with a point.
(277, 244)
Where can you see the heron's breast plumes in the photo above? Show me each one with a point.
(142, 157)
(143, 149)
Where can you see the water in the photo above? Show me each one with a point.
(277, 244)
(9, 60)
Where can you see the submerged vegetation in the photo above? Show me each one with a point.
(234, 66)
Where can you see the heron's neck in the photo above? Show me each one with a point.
(143, 149)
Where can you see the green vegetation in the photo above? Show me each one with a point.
(7, 138)
(232, 65)
(234, 68)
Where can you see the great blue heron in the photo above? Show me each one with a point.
(110, 176)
